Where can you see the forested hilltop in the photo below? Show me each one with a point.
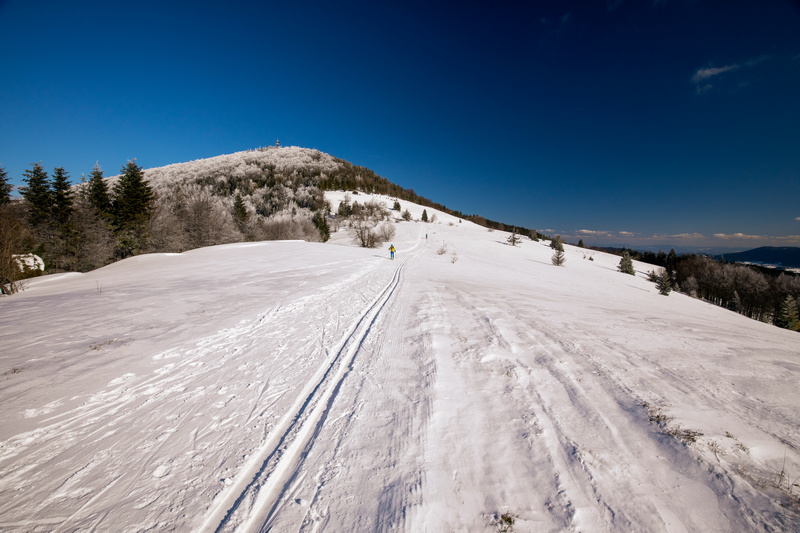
(263, 194)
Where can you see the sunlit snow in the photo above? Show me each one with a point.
(292, 386)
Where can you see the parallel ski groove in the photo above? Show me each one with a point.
(296, 430)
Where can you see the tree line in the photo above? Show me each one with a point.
(762, 294)
(99, 221)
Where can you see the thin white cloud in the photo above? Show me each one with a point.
(626, 233)
(690, 236)
(738, 236)
(798, 218)
(592, 232)
(703, 74)
(703, 77)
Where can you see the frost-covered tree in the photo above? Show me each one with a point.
(558, 258)
(557, 243)
(626, 264)
(5, 187)
(38, 194)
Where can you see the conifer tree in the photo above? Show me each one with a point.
(38, 194)
(558, 258)
(132, 198)
(62, 196)
(98, 192)
(626, 264)
(5, 187)
(240, 213)
(580, 244)
(557, 243)
(130, 209)
(664, 284)
(424, 215)
(788, 316)
(396, 206)
(513, 239)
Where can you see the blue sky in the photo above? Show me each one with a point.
(638, 122)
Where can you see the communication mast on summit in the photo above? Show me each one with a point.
(277, 143)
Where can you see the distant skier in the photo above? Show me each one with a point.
(391, 251)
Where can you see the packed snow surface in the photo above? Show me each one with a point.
(468, 385)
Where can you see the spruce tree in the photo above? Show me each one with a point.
(513, 239)
(132, 198)
(130, 209)
(98, 192)
(62, 196)
(580, 244)
(240, 213)
(626, 264)
(396, 206)
(558, 258)
(5, 187)
(424, 215)
(664, 284)
(788, 316)
(38, 194)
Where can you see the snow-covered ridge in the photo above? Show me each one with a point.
(243, 164)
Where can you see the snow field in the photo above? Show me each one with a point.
(289, 386)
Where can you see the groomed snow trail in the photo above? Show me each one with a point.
(325, 388)
(271, 470)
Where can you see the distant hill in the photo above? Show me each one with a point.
(779, 256)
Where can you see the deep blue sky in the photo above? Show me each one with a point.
(634, 122)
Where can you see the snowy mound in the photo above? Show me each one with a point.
(468, 385)
(240, 165)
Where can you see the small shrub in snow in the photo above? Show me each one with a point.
(396, 206)
(386, 232)
(504, 522)
(406, 215)
(558, 258)
(442, 249)
(453, 256)
(513, 239)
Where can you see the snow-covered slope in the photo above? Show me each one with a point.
(291, 386)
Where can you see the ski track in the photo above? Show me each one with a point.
(273, 467)
(106, 420)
